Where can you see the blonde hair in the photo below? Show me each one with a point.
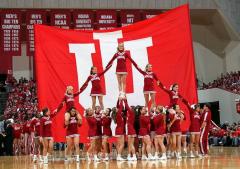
(147, 66)
(69, 88)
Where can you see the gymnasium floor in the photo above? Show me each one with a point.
(220, 158)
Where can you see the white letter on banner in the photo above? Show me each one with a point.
(84, 62)
(108, 46)
(138, 50)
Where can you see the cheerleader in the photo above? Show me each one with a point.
(27, 134)
(38, 147)
(144, 134)
(159, 121)
(68, 99)
(98, 115)
(73, 120)
(107, 132)
(96, 91)
(92, 134)
(120, 129)
(131, 133)
(121, 69)
(17, 134)
(46, 133)
(176, 117)
(148, 88)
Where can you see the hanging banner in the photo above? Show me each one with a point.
(61, 18)
(65, 57)
(11, 32)
(147, 14)
(33, 17)
(129, 17)
(83, 19)
(106, 19)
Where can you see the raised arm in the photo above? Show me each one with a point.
(111, 61)
(103, 72)
(60, 106)
(136, 66)
(85, 84)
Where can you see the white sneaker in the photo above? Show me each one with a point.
(77, 159)
(106, 158)
(66, 160)
(45, 160)
(164, 157)
(40, 158)
(134, 158)
(119, 158)
(129, 158)
(96, 158)
(192, 155)
(144, 157)
(150, 157)
(34, 158)
(179, 156)
(88, 158)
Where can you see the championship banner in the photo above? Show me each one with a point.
(106, 19)
(147, 14)
(11, 32)
(64, 57)
(83, 19)
(129, 17)
(61, 19)
(33, 17)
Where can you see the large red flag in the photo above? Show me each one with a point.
(64, 57)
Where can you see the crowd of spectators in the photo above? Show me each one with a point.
(227, 135)
(229, 81)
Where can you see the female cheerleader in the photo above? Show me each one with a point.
(121, 69)
(160, 125)
(27, 134)
(38, 147)
(148, 88)
(176, 116)
(96, 91)
(120, 129)
(194, 129)
(46, 132)
(68, 98)
(131, 133)
(72, 121)
(17, 132)
(144, 133)
(92, 134)
(107, 132)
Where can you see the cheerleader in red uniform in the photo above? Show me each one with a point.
(120, 129)
(27, 135)
(107, 131)
(148, 88)
(17, 134)
(46, 132)
(144, 133)
(96, 91)
(176, 116)
(72, 121)
(121, 69)
(92, 133)
(131, 133)
(68, 99)
(159, 121)
(38, 147)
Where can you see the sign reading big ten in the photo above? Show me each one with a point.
(11, 32)
(33, 17)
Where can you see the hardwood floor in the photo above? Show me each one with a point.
(220, 158)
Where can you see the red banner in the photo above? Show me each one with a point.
(64, 57)
(11, 32)
(129, 17)
(106, 19)
(83, 19)
(33, 17)
(61, 18)
(147, 14)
